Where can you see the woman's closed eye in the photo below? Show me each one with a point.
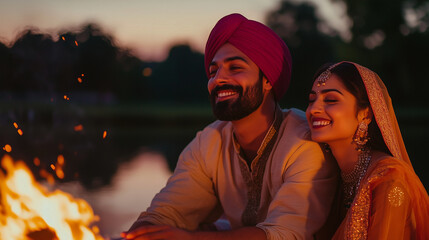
(330, 100)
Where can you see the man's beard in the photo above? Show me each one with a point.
(240, 107)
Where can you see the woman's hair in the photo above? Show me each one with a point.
(352, 81)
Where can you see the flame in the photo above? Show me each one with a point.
(75, 42)
(20, 132)
(104, 134)
(29, 211)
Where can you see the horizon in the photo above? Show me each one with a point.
(148, 29)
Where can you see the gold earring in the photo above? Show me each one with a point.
(361, 136)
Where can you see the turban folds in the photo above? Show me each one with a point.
(261, 44)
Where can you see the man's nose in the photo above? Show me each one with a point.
(218, 79)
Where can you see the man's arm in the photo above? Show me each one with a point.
(189, 197)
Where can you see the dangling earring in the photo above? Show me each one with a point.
(361, 136)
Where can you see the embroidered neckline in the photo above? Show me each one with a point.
(254, 178)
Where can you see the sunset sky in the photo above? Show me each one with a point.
(147, 27)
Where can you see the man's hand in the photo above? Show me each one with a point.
(149, 232)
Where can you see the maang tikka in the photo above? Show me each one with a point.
(321, 79)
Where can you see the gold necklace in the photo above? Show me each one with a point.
(352, 180)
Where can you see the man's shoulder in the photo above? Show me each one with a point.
(215, 130)
(294, 133)
(295, 124)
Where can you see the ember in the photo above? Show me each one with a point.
(7, 148)
(28, 211)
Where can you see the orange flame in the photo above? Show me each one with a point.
(104, 134)
(79, 80)
(75, 42)
(46, 175)
(20, 132)
(27, 209)
(15, 125)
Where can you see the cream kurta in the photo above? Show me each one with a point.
(297, 190)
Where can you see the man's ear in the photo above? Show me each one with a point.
(266, 84)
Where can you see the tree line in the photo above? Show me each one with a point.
(382, 38)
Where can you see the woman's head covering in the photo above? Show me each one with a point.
(385, 117)
(382, 109)
(261, 44)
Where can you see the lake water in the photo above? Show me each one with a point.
(133, 187)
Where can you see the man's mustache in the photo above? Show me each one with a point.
(236, 88)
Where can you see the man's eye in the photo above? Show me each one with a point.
(234, 67)
(212, 72)
(331, 100)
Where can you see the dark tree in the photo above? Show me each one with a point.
(297, 25)
(181, 77)
(391, 37)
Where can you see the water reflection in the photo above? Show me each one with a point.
(132, 189)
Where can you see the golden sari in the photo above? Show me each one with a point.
(391, 202)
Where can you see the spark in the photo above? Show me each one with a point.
(78, 128)
(60, 159)
(7, 148)
(36, 161)
(147, 72)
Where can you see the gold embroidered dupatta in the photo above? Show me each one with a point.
(391, 202)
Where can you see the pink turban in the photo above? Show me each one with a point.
(261, 44)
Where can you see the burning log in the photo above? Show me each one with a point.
(44, 234)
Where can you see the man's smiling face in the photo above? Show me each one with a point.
(235, 84)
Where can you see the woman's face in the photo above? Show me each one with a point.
(331, 112)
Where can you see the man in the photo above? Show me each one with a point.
(254, 170)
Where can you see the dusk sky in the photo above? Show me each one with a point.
(147, 27)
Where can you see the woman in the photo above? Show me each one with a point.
(381, 197)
